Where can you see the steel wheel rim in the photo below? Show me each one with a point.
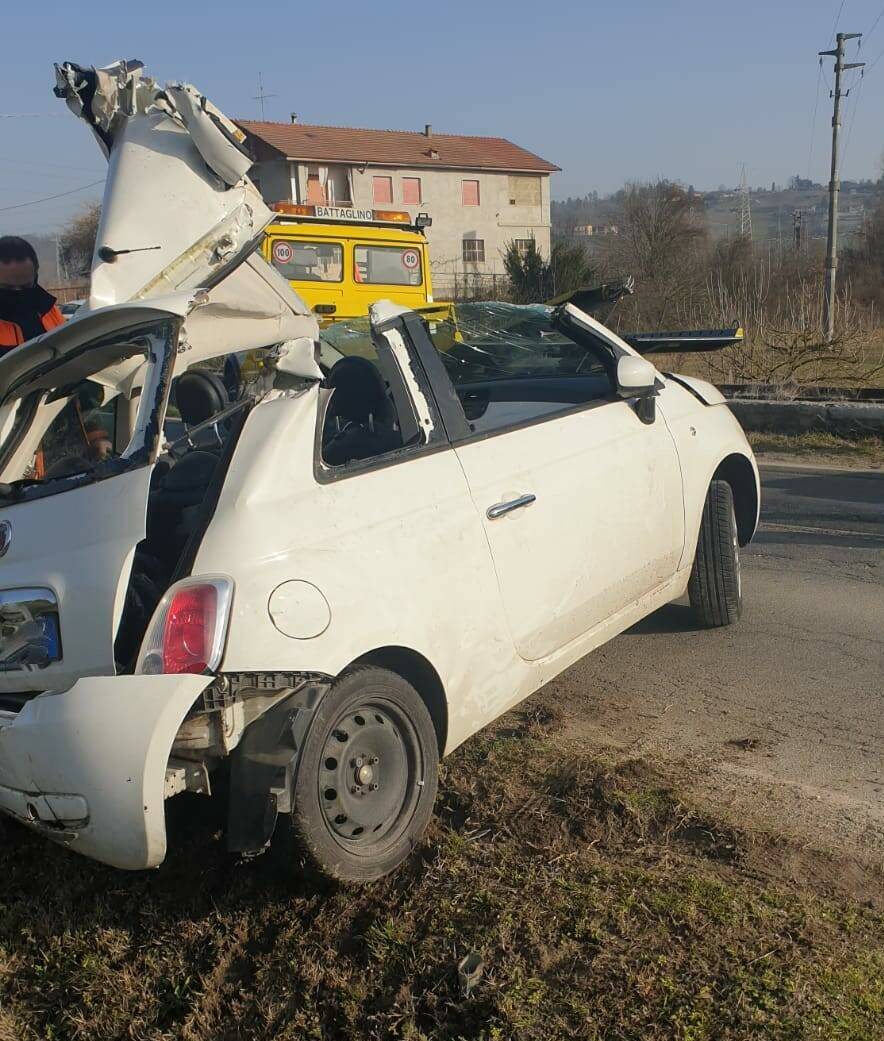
(369, 776)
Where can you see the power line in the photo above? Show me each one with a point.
(873, 63)
(837, 20)
(875, 24)
(40, 164)
(852, 118)
(48, 198)
(816, 106)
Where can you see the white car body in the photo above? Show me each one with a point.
(392, 559)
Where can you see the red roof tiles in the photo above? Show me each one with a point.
(391, 147)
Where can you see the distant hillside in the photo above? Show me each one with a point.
(772, 211)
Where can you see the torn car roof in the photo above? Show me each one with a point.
(179, 211)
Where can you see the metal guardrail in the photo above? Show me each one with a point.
(779, 392)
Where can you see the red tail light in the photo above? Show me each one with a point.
(190, 630)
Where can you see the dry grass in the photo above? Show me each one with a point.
(820, 447)
(602, 906)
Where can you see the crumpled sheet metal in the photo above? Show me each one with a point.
(179, 211)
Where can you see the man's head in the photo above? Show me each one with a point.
(18, 263)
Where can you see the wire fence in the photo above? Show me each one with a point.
(466, 286)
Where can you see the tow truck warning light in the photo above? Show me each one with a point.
(349, 213)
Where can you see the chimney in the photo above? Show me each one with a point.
(428, 130)
(294, 117)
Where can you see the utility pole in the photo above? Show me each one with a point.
(834, 184)
(745, 207)
(796, 228)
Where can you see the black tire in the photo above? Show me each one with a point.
(367, 777)
(715, 586)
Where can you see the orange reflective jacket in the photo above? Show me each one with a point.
(11, 334)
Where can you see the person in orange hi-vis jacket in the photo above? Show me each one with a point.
(26, 309)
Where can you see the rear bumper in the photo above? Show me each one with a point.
(87, 767)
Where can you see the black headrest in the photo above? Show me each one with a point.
(199, 395)
(359, 389)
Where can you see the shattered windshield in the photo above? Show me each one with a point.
(89, 415)
(487, 340)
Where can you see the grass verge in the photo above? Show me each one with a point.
(822, 448)
(602, 907)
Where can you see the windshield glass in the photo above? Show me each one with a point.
(488, 340)
(306, 261)
(90, 415)
(387, 265)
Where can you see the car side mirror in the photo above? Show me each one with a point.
(637, 378)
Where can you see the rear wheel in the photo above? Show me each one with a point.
(367, 778)
(715, 586)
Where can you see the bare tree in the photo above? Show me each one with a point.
(77, 242)
(661, 239)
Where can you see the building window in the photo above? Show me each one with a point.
(523, 246)
(470, 193)
(474, 250)
(315, 187)
(411, 191)
(382, 190)
(524, 190)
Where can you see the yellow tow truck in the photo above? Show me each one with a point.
(341, 259)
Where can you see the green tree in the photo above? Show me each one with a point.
(534, 280)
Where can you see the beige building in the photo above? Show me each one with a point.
(481, 192)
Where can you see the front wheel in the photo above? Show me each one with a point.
(715, 586)
(367, 778)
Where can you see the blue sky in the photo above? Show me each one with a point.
(609, 91)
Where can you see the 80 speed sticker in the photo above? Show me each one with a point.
(282, 252)
(411, 259)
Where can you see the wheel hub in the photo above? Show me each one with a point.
(364, 779)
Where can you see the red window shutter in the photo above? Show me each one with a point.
(315, 191)
(411, 191)
(471, 193)
(382, 190)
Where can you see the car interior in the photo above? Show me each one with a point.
(206, 404)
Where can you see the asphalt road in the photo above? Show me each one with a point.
(779, 718)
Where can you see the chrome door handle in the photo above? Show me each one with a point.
(500, 508)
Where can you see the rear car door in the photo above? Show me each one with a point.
(76, 476)
(581, 501)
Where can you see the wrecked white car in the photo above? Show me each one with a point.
(226, 546)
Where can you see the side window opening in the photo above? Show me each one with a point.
(83, 434)
(510, 365)
(370, 412)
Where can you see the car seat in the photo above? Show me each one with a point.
(360, 422)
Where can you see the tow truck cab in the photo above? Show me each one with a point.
(340, 260)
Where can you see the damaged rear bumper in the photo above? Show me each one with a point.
(87, 768)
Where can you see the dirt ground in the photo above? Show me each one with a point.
(596, 902)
